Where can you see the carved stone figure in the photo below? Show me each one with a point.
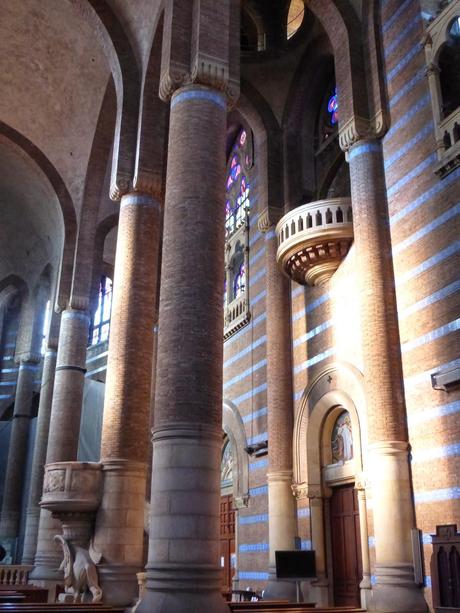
(80, 574)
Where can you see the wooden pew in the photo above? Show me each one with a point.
(274, 607)
(31, 593)
(35, 607)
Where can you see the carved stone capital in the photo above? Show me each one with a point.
(355, 129)
(79, 303)
(299, 490)
(360, 482)
(268, 218)
(176, 75)
(314, 492)
(118, 188)
(241, 502)
(148, 183)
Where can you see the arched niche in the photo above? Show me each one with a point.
(337, 389)
(232, 425)
(339, 385)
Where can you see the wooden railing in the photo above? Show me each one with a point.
(14, 574)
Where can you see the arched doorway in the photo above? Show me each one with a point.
(234, 491)
(328, 470)
(227, 517)
(342, 507)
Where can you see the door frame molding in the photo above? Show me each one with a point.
(338, 387)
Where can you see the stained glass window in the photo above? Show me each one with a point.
(237, 203)
(333, 108)
(239, 283)
(226, 467)
(101, 321)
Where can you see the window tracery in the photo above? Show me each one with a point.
(237, 210)
(101, 319)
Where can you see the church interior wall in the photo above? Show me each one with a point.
(290, 168)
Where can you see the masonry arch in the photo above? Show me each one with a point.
(337, 389)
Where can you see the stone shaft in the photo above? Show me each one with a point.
(39, 457)
(129, 363)
(17, 451)
(68, 387)
(281, 502)
(183, 573)
(387, 421)
(64, 428)
(380, 332)
(125, 450)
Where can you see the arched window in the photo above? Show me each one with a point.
(238, 203)
(328, 116)
(101, 321)
(226, 466)
(237, 208)
(449, 73)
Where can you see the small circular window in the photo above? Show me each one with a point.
(295, 17)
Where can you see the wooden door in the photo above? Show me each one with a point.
(346, 546)
(227, 540)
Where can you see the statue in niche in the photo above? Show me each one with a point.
(226, 467)
(342, 439)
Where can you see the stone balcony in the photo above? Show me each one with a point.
(313, 239)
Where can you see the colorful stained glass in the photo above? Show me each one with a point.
(239, 283)
(237, 204)
(333, 108)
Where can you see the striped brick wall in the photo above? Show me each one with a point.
(424, 216)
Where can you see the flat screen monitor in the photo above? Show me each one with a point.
(295, 564)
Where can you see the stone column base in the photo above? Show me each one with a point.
(188, 595)
(120, 529)
(396, 592)
(119, 584)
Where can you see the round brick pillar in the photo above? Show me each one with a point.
(64, 430)
(389, 472)
(183, 571)
(282, 521)
(125, 447)
(39, 457)
(17, 450)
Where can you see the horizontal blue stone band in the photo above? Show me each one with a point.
(76, 315)
(199, 94)
(364, 148)
(139, 200)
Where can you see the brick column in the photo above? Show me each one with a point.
(125, 450)
(282, 521)
(183, 571)
(64, 428)
(17, 451)
(389, 448)
(41, 443)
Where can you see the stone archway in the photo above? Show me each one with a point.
(338, 388)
